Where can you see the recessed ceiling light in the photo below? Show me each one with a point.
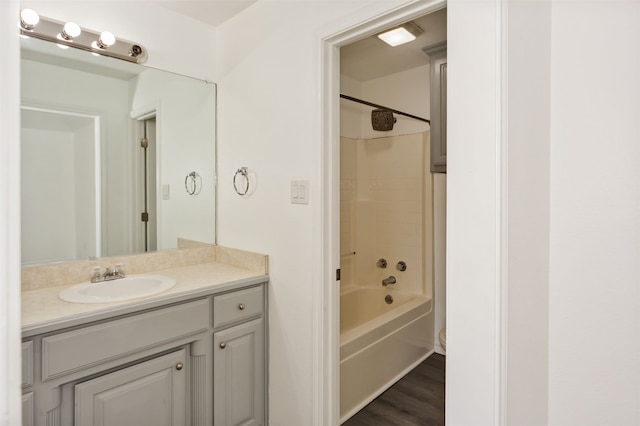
(401, 35)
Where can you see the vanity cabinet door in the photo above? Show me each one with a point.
(239, 375)
(150, 393)
(27, 409)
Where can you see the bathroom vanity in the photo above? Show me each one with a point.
(193, 355)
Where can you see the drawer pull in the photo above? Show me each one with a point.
(223, 345)
(179, 366)
(241, 306)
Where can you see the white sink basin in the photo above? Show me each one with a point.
(132, 287)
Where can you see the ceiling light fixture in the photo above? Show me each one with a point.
(29, 18)
(400, 35)
(70, 34)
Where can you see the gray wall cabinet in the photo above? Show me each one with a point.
(438, 105)
(198, 361)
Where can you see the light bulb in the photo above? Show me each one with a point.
(70, 30)
(106, 39)
(29, 18)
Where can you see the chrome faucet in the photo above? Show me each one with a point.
(110, 274)
(390, 280)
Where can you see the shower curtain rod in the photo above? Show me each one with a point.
(371, 104)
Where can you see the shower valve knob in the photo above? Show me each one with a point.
(382, 263)
(401, 266)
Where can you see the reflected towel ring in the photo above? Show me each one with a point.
(193, 183)
(244, 172)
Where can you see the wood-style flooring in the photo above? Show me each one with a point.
(416, 399)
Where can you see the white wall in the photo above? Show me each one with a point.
(406, 91)
(474, 233)
(351, 113)
(10, 370)
(594, 296)
(348, 197)
(528, 212)
(186, 142)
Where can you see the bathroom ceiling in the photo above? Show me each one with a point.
(212, 12)
(372, 58)
(363, 60)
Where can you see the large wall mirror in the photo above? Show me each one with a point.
(117, 158)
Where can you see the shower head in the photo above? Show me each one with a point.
(382, 120)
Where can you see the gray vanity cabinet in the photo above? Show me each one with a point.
(152, 393)
(239, 358)
(27, 381)
(238, 369)
(176, 362)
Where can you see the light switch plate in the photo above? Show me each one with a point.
(299, 192)
(166, 192)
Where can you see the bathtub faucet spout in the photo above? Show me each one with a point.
(390, 280)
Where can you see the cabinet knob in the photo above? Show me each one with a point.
(223, 345)
(241, 306)
(179, 366)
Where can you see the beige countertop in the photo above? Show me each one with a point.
(44, 311)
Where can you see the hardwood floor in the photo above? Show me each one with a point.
(416, 399)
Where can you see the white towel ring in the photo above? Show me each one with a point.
(244, 172)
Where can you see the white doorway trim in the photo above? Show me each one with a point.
(98, 190)
(475, 384)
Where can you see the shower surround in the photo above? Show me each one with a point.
(386, 212)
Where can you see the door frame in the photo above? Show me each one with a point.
(138, 117)
(100, 194)
(476, 386)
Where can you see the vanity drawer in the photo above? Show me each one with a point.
(27, 363)
(237, 306)
(74, 350)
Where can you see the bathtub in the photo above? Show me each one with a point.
(380, 342)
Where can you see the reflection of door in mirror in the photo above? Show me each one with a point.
(60, 155)
(149, 215)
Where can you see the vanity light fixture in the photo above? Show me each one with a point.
(29, 18)
(70, 30)
(400, 35)
(106, 39)
(71, 34)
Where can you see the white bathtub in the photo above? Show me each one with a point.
(379, 342)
